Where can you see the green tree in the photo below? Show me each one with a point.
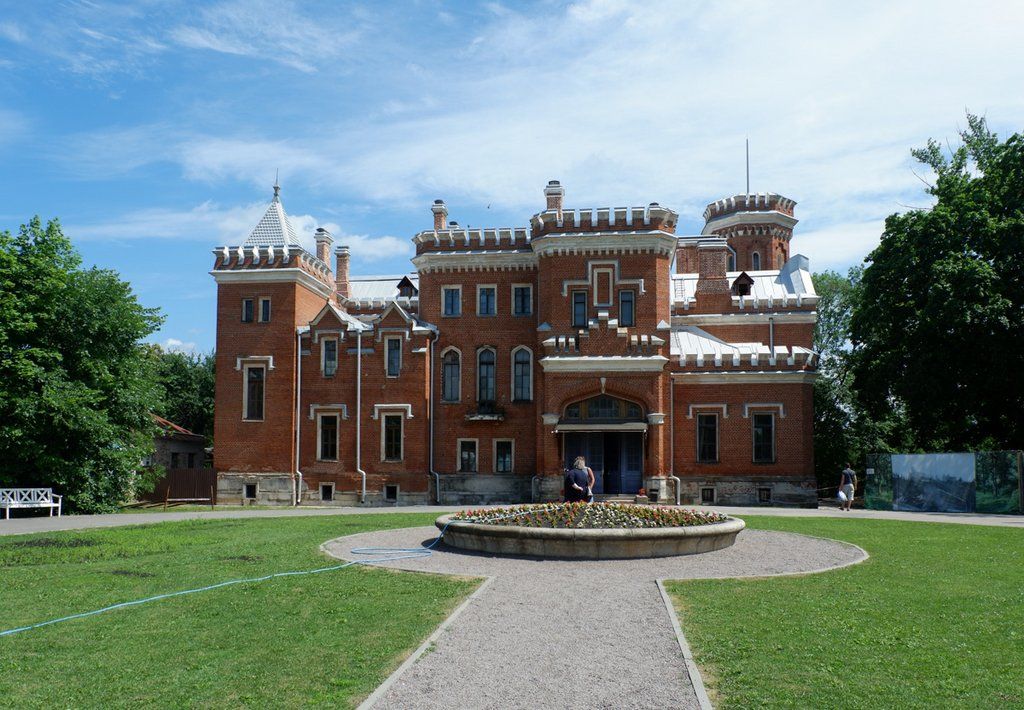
(938, 327)
(188, 381)
(76, 384)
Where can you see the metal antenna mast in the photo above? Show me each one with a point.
(748, 166)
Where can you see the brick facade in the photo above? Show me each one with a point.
(619, 355)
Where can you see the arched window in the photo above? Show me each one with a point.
(522, 375)
(604, 407)
(485, 376)
(451, 376)
(732, 262)
(780, 261)
(755, 261)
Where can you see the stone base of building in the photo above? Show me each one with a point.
(485, 489)
(794, 491)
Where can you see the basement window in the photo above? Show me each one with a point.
(391, 494)
(327, 492)
(250, 491)
(707, 496)
(764, 495)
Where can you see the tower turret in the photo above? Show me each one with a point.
(758, 227)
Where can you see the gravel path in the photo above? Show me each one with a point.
(572, 634)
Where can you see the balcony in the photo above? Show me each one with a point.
(486, 412)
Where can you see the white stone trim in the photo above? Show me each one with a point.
(475, 261)
(441, 374)
(336, 333)
(283, 275)
(656, 418)
(512, 300)
(548, 419)
(494, 455)
(759, 217)
(401, 436)
(266, 359)
(604, 363)
(705, 319)
(742, 378)
(595, 280)
(479, 288)
(387, 408)
(451, 287)
(343, 408)
(605, 243)
(764, 405)
(592, 266)
(709, 405)
(387, 340)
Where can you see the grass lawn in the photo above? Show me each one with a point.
(935, 619)
(326, 639)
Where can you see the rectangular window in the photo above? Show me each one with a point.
(191, 460)
(247, 310)
(175, 459)
(522, 300)
(264, 310)
(503, 455)
(249, 491)
(392, 437)
(328, 450)
(707, 438)
(327, 492)
(451, 300)
(707, 496)
(627, 308)
(764, 438)
(391, 493)
(764, 495)
(394, 356)
(255, 376)
(467, 455)
(579, 309)
(329, 351)
(485, 301)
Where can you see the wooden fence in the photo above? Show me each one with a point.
(184, 485)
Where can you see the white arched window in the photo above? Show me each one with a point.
(485, 381)
(732, 262)
(755, 261)
(451, 375)
(522, 375)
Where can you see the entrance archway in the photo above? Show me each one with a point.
(609, 433)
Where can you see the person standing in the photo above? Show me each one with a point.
(847, 487)
(576, 480)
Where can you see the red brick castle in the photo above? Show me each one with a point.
(678, 364)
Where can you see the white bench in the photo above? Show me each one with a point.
(29, 498)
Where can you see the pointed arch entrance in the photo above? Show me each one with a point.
(609, 433)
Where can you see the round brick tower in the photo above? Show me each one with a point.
(758, 228)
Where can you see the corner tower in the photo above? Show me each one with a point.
(757, 227)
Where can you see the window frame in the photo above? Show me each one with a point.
(632, 308)
(596, 274)
(320, 416)
(323, 355)
(493, 377)
(529, 288)
(529, 374)
(260, 302)
(494, 455)
(586, 309)
(480, 288)
(248, 310)
(753, 438)
(384, 417)
(246, 368)
(458, 390)
(755, 261)
(458, 455)
(327, 484)
(387, 355)
(718, 453)
(444, 297)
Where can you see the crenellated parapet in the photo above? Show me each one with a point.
(756, 202)
(271, 257)
(653, 217)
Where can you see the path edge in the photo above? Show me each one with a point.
(692, 671)
(384, 687)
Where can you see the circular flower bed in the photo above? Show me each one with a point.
(601, 531)
(590, 515)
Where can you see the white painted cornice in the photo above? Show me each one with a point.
(287, 275)
(656, 241)
(706, 319)
(763, 217)
(475, 260)
(604, 363)
(743, 378)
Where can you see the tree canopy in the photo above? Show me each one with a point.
(76, 383)
(187, 380)
(938, 321)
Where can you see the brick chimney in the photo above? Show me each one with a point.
(440, 214)
(341, 271)
(554, 193)
(712, 290)
(323, 245)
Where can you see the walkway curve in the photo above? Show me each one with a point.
(24, 525)
(571, 634)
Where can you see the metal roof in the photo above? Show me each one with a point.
(364, 288)
(274, 229)
(794, 279)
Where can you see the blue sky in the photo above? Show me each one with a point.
(153, 130)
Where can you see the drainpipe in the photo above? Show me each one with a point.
(771, 335)
(430, 390)
(359, 412)
(298, 414)
(672, 439)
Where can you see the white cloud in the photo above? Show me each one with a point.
(174, 345)
(12, 32)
